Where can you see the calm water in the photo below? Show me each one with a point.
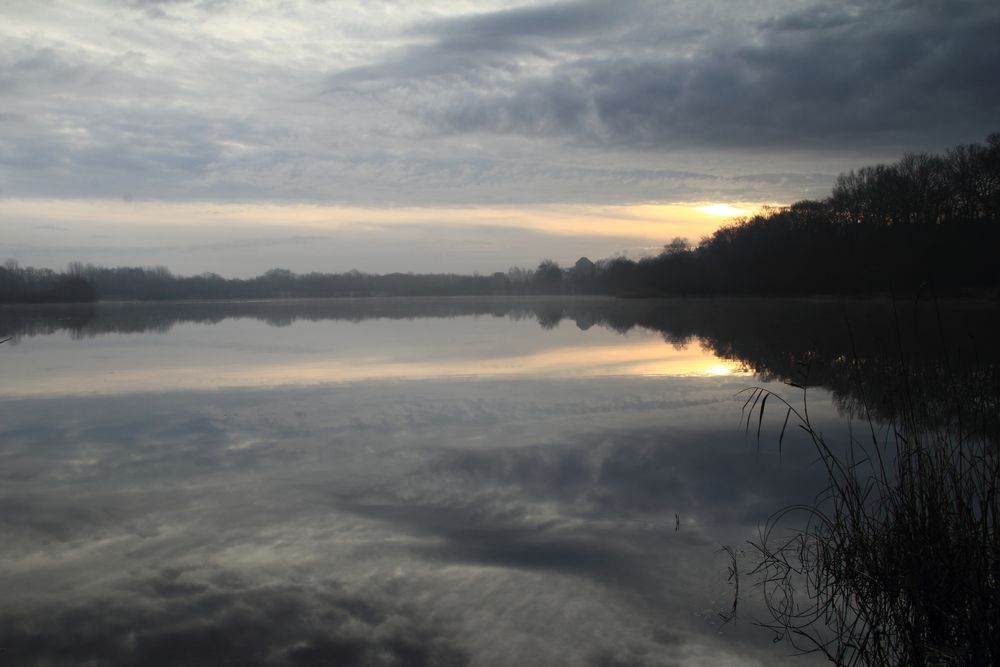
(442, 482)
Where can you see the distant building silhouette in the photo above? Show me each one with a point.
(584, 268)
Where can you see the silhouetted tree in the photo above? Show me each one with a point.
(679, 244)
(548, 276)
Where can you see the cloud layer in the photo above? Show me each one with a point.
(456, 103)
(822, 76)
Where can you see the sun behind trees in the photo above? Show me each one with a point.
(926, 219)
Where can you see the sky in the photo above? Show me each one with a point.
(235, 136)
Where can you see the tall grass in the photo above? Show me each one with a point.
(897, 561)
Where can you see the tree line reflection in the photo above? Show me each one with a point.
(942, 353)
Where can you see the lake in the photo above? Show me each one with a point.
(515, 481)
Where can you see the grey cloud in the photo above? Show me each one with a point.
(157, 9)
(816, 17)
(156, 3)
(131, 126)
(88, 122)
(168, 153)
(503, 28)
(819, 77)
(232, 244)
(473, 43)
(542, 103)
(84, 143)
(34, 67)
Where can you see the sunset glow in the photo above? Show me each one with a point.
(724, 210)
(223, 236)
(626, 359)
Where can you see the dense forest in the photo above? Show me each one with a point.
(925, 220)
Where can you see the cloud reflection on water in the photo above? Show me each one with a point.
(485, 501)
(499, 518)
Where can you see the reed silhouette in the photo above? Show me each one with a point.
(897, 561)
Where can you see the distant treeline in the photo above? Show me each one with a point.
(82, 283)
(929, 220)
(86, 282)
(30, 285)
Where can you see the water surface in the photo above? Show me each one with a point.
(440, 481)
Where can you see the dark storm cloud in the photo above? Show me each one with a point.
(824, 75)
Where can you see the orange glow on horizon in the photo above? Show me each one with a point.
(656, 223)
(725, 210)
(635, 359)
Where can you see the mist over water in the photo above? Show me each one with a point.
(439, 481)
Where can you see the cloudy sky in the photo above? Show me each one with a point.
(238, 135)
